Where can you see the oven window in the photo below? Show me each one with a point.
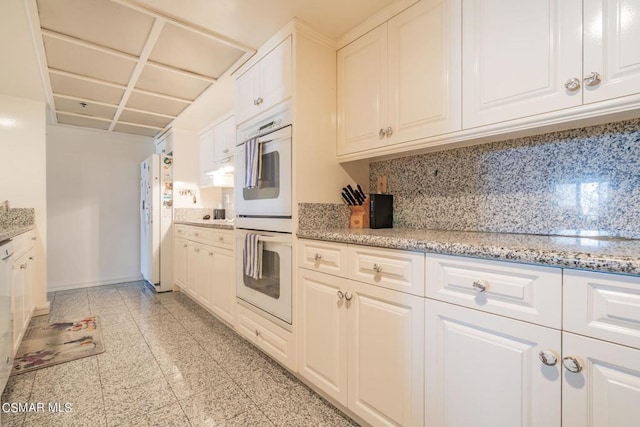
(270, 282)
(269, 181)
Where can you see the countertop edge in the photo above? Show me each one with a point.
(202, 223)
(562, 259)
(11, 232)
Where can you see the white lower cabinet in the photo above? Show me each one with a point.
(484, 370)
(204, 266)
(606, 390)
(363, 346)
(22, 270)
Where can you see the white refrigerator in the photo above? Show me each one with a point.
(156, 217)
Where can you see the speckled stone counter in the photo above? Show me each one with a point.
(599, 254)
(210, 223)
(14, 230)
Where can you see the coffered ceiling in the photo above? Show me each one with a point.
(124, 68)
(135, 65)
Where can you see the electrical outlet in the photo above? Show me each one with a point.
(381, 184)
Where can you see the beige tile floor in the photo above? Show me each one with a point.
(168, 362)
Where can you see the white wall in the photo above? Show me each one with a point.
(23, 172)
(93, 181)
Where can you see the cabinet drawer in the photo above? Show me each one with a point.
(324, 256)
(223, 239)
(392, 269)
(520, 291)
(604, 306)
(23, 242)
(270, 338)
(201, 234)
(181, 230)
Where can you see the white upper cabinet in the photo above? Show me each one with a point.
(517, 57)
(266, 83)
(401, 81)
(611, 36)
(207, 162)
(224, 137)
(526, 58)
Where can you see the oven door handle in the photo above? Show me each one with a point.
(276, 240)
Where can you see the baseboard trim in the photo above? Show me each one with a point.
(96, 283)
(42, 310)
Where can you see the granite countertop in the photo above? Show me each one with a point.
(14, 230)
(224, 224)
(587, 253)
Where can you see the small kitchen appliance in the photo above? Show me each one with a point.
(380, 210)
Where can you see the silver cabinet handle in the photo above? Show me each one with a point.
(318, 257)
(226, 160)
(221, 239)
(257, 333)
(226, 150)
(381, 133)
(592, 79)
(572, 84)
(210, 253)
(34, 238)
(548, 357)
(479, 286)
(388, 131)
(259, 101)
(23, 266)
(340, 295)
(197, 250)
(184, 246)
(348, 296)
(196, 234)
(255, 102)
(572, 364)
(30, 258)
(377, 268)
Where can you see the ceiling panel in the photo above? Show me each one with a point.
(144, 119)
(187, 50)
(67, 56)
(89, 108)
(66, 85)
(121, 127)
(101, 22)
(82, 121)
(156, 104)
(169, 83)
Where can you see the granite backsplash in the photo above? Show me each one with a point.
(322, 215)
(581, 181)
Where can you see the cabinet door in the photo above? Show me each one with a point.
(223, 286)
(28, 286)
(180, 251)
(607, 390)
(386, 355)
(517, 57)
(207, 163)
(17, 299)
(224, 137)
(484, 370)
(193, 260)
(611, 34)
(246, 89)
(275, 77)
(206, 276)
(323, 332)
(362, 92)
(425, 80)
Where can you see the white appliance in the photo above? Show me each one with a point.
(6, 315)
(267, 206)
(272, 293)
(156, 217)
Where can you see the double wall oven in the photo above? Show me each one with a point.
(266, 210)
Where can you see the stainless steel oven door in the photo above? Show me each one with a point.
(271, 293)
(272, 197)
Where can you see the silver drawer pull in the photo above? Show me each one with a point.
(318, 257)
(548, 357)
(221, 239)
(377, 268)
(348, 296)
(479, 286)
(340, 295)
(572, 364)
